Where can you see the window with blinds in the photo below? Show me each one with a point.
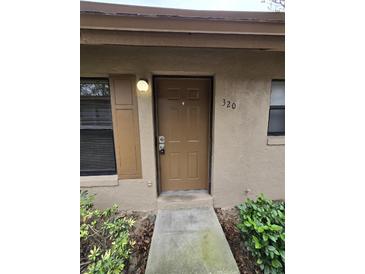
(97, 155)
(277, 108)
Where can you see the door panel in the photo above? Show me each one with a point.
(183, 119)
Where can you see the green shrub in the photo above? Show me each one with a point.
(105, 245)
(263, 229)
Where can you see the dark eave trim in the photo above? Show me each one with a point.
(154, 12)
(110, 24)
(135, 23)
(193, 40)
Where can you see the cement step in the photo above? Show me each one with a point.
(184, 199)
(187, 241)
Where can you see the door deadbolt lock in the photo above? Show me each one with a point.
(161, 148)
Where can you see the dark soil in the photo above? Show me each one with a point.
(228, 219)
(142, 234)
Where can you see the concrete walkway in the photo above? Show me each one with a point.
(187, 241)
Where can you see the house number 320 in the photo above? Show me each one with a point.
(228, 104)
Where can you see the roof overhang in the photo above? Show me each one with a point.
(111, 24)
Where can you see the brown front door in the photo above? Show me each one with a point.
(183, 121)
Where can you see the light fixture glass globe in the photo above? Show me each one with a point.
(142, 85)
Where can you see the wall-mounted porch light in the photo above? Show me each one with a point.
(142, 85)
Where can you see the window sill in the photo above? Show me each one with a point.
(275, 140)
(102, 180)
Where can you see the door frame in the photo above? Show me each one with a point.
(155, 123)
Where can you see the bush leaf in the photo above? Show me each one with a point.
(262, 227)
(275, 263)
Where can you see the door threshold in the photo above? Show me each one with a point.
(184, 199)
(183, 192)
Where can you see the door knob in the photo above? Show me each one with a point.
(161, 139)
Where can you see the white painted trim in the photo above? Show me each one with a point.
(275, 140)
(102, 180)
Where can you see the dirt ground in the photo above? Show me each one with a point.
(228, 219)
(142, 235)
(143, 230)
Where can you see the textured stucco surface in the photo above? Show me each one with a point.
(243, 164)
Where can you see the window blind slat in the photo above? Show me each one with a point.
(95, 112)
(97, 155)
(97, 152)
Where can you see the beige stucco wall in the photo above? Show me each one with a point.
(243, 164)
